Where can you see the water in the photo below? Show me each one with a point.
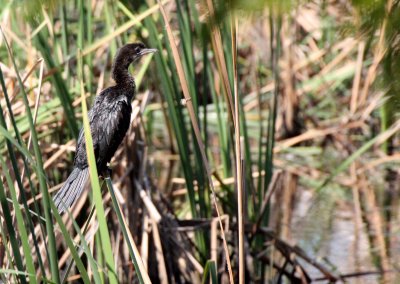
(326, 230)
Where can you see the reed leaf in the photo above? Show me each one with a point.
(94, 180)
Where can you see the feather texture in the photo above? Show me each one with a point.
(71, 189)
(109, 120)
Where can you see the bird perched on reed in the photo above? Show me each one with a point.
(109, 120)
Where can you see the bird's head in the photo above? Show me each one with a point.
(125, 56)
(131, 52)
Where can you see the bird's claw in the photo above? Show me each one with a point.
(106, 173)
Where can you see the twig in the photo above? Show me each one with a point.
(267, 197)
(357, 274)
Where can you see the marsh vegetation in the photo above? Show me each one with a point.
(283, 111)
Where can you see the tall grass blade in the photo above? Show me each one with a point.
(71, 246)
(5, 278)
(196, 129)
(133, 251)
(381, 138)
(268, 163)
(14, 142)
(216, 41)
(18, 176)
(11, 233)
(20, 224)
(210, 270)
(175, 114)
(59, 83)
(121, 29)
(94, 265)
(92, 262)
(40, 173)
(16, 272)
(238, 150)
(104, 233)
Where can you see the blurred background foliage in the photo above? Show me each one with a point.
(318, 98)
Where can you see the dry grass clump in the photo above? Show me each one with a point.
(263, 144)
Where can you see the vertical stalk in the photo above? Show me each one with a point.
(238, 150)
(196, 129)
(40, 174)
(104, 233)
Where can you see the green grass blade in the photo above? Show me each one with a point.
(64, 27)
(40, 173)
(223, 136)
(86, 249)
(346, 163)
(94, 179)
(59, 83)
(20, 223)
(18, 175)
(138, 263)
(210, 269)
(175, 114)
(100, 256)
(89, 40)
(71, 246)
(8, 253)
(21, 148)
(268, 165)
(11, 233)
(16, 272)
(89, 254)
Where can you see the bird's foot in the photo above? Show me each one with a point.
(106, 173)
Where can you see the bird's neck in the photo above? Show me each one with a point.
(121, 75)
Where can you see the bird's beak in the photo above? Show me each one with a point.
(147, 51)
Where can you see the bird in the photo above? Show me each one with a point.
(109, 120)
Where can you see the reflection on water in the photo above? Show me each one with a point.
(326, 230)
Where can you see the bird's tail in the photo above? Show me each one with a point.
(71, 189)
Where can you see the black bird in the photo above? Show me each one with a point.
(109, 120)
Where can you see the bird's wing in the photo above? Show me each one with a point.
(80, 154)
(109, 126)
(109, 120)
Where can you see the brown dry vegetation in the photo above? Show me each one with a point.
(309, 153)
